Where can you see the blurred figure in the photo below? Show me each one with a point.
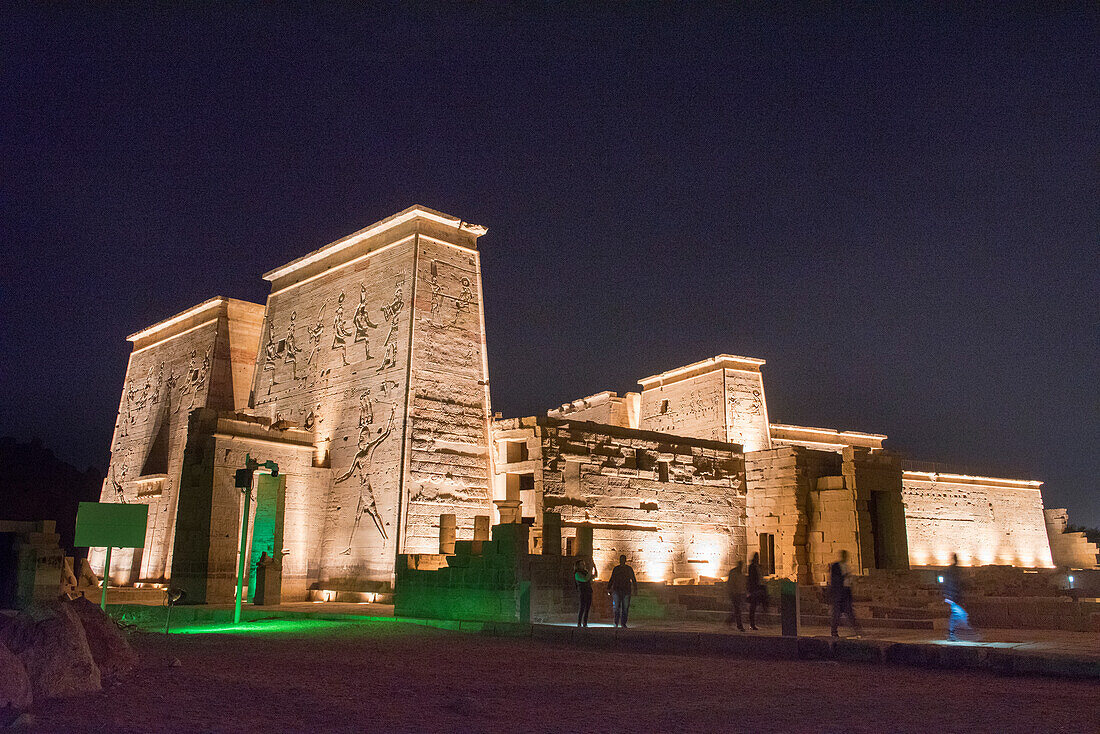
(952, 596)
(756, 592)
(621, 585)
(735, 586)
(583, 573)
(840, 593)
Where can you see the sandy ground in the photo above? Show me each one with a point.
(340, 677)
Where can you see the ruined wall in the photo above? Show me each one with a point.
(674, 506)
(341, 325)
(189, 361)
(780, 482)
(876, 478)
(1072, 550)
(984, 520)
(606, 407)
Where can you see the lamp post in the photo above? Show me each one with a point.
(244, 483)
(106, 578)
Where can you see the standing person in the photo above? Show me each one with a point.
(756, 592)
(952, 596)
(621, 585)
(583, 573)
(735, 586)
(840, 591)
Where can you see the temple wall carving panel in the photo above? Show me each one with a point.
(983, 523)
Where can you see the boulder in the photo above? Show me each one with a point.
(16, 631)
(56, 654)
(15, 686)
(110, 648)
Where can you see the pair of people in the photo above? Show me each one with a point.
(750, 589)
(621, 586)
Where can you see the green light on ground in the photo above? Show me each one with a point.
(278, 627)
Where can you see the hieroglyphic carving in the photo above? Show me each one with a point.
(290, 355)
(362, 322)
(392, 312)
(340, 329)
(196, 377)
(315, 333)
(361, 465)
(465, 298)
(271, 353)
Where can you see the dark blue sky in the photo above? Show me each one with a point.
(897, 209)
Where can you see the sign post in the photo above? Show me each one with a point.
(243, 481)
(113, 525)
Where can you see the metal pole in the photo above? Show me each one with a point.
(241, 560)
(106, 578)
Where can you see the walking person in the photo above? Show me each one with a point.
(952, 596)
(583, 573)
(735, 587)
(840, 592)
(621, 585)
(756, 592)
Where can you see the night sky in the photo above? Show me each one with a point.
(897, 210)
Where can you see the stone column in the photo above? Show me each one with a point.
(447, 533)
(481, 527)
(509, 511)
(584, 541)
(551, 534)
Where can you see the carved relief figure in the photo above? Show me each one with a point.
(340, 330)
(271, 352)
(361, 465)
(462, 303)
(290, 356)
(392, 311)
(437, 294)
(196, 377)
(315, 333)
(362, 322)
(117, 478)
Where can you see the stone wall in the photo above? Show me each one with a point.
(199, 358)
(675, 506)
(690, 406)
(780, 481)
(721, 398)
(1072, 550)
(209, 518)
(606, 407)
(984, 520)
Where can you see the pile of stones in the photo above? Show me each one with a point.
(66, 648)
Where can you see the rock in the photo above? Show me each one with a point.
(110, 648)
(15, 686)
(174, 663)
(23, 721)
(16, 632)
(57, 658)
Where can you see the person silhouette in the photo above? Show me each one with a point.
(621, 585)
(583, 573)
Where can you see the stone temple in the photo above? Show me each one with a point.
(365, 379)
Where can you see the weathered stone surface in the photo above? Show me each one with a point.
(109, 647)
(56, 655)
(15, 685)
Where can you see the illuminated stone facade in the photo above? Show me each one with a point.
(365, 378)
(675, 506)
(812, 492)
